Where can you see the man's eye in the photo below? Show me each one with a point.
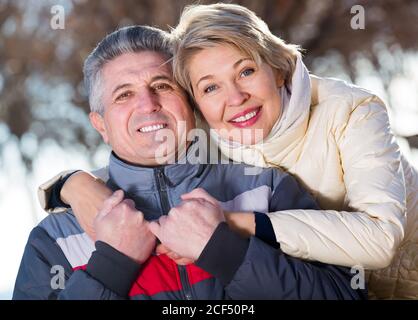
(247, 72)
(162, 87)
(123, 96)
(210, 88)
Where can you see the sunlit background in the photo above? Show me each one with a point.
(44, 126)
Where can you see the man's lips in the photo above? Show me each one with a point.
(151, 127)
(246, 118)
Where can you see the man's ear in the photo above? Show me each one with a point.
(97, 122)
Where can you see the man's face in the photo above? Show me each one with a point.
(142, 102)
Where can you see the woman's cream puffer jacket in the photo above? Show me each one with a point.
(346, 155)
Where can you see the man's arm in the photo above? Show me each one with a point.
(252, 269)
(123, 244)
(45, 273)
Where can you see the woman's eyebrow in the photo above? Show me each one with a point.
(236, 64)
(209, 76)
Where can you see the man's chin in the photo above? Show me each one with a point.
(155, 157)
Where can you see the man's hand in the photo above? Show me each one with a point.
(85, 194)
(124, 228)
(188, 227)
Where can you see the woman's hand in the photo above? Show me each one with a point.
(241, 222)
(162, 249)
(85, 194)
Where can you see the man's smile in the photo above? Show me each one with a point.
(152, 127)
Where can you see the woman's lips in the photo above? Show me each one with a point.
(246, 118)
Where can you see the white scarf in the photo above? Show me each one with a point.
(286, 133)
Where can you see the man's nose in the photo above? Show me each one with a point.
(147, 102)
(236, 95)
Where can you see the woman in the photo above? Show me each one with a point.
(266, 110)
(333, 136)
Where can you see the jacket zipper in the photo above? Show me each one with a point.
(162, 189)
(186, 288)
(165, 206)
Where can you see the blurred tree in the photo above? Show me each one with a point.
(42, 95)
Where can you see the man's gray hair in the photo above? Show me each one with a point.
(131, 39)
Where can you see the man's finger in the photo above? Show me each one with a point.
(130, 203)
(161, 249)
(173, 255)
(154, 227)
(200, 193)
(183, 261)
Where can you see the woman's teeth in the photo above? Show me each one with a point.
(246, 117)
(152, 128)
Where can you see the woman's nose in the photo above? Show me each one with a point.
(236, 95)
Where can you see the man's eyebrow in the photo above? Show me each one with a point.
(155, 78)
(162, 77)
(235, 65)
(121, 86)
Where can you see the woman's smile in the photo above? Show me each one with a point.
(246, 118)
(234, 92)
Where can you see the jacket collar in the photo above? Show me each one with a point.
(136, 178)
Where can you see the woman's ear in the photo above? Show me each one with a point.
(97, 122)
(279, 79)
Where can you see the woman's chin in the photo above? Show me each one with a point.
(250, 139)
(253, 136)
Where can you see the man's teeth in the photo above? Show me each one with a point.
(152, 128)
(245, 117)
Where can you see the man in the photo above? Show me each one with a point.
(133, 98)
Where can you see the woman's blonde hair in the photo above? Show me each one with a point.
(203, 26)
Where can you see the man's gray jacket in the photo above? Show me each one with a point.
(61, 262)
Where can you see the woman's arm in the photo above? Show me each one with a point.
(85, 194)
(241, 222)
(370, 234)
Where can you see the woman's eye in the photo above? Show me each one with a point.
(210, 88)
(124, 96)
(247, 72)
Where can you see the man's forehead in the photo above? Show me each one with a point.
(145, 65)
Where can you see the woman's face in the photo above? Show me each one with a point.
(237, 97)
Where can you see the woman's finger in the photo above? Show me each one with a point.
(110, 203)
